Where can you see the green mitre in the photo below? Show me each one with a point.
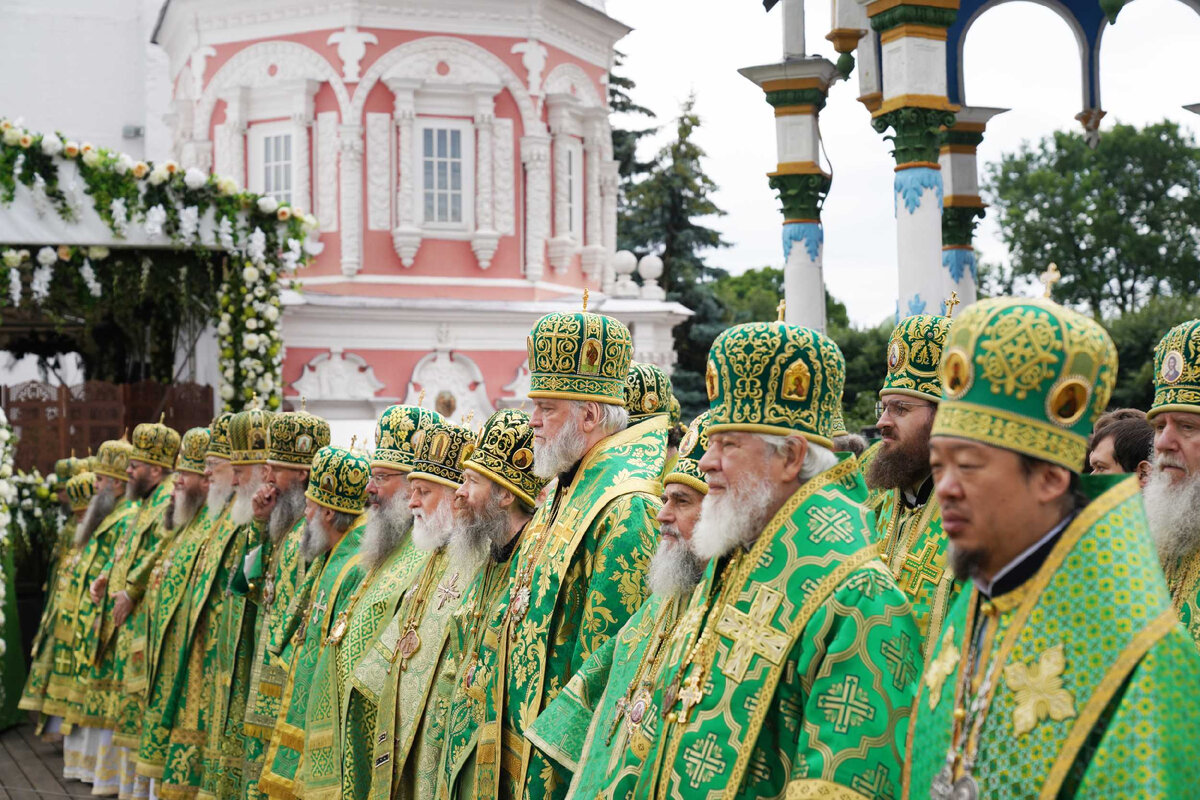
(112, 459)
(838, 426)
(395, 432)
(913, 354)
(579, 356)
(1177, 371)
(338, 479)
(775, 378)
(67, 468)
(250, 436)
(154, 443)
(80, 489)
(218, 435)
(647, 392)
(1026, 375)
(295, 437)
(691, 450)
(192, 450)
(674, 412)
(504, 454)
(440, 452)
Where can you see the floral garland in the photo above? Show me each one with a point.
(268, 240)
(8, 498)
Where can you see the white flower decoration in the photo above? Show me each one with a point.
(47, 256)
(51, 144)
(268, 204)
(194, 178)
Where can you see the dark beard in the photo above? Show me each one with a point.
(965, 563)
(900, 467)
(288, 509)
(138, 489)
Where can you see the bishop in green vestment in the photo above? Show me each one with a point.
(420, 650)
(909, 521)
(341, 717)
(579, 572)
(1172, 492)
(1062, 671)
(794, 674)
(273, 575)
(336, 496)
(606, 710)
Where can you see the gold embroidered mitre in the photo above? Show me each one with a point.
(1177, 371)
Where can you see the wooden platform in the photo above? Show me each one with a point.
(31, 768)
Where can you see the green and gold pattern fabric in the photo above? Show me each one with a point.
(193, 447)
(397, 757)
(1177, 371)
(250, 436)
(396, 433)
(795, 675)
(218, 433)
(112, 459)
(913, 354)
(33, 695)
(647, 391)
(155, 444)
(339, 574)
(774, 378)
(440, 452)
(295, 437)
(579, 575)
(504, 455)
(913, 545)
(579, 356)
(80, 490)
(339, 722)
(338, 479)
(1026, 375)
(1183, 581)
(692, 448)
(1094, 682)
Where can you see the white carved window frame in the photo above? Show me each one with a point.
(256, 136)
(465, 127)
(285, 106)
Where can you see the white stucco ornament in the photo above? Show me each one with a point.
(338, 376)
(351, 47)
(533, 57)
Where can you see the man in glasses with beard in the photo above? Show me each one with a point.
(274, 573)
(909, 521)
(607, 711)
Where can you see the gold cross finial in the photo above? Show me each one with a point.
(353, 441)
(303, 403)
(421, 399)
(1050, 277)
(585, 299)
(72, 452)
(951, 303)
(469, 418)
(781, 309)
(524, 400)
(125, 434)
(254, 401)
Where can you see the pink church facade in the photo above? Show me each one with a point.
(458, 156)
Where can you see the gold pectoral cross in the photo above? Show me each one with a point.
(318, 608)
(751, 633)
(563, 528)
(448, 591)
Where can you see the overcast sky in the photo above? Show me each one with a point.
(1019, 56)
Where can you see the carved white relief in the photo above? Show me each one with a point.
(198, 63)
(406, 236)
(610, 177)
(337, 376)
(503, 190)
(351, 47)
(302, 185)
(350, 151)
(516, 392)
(327, 170)
(231, 138)
(570, 79)
(448, 371)
(379, 171)
(535, 154)
(533, 58)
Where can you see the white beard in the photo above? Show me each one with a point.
(315, 539)
(243, 500)
(219, 491)
(99, 507)
(431, 533)
(675, 569)
(386, 526)
(477, 534)
(184, 508)
(1173, 511)
(556, 456)
(733, 518)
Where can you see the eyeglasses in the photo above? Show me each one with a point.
(379, 478)
(897, 408)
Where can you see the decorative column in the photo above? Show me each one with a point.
(350, 163)
(230, 135)
(563, 126)
(594, 251)
(797, 89)
(962, 207)
(484, 239)
(406, 236)
(535, 156)
(301, 118)
(610, 184)
(912, 37)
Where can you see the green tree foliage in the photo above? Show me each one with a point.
(625, 140)
(1121, 221)
(662, 216)
(1135, 334)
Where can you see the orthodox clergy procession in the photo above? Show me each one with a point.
(412, 400)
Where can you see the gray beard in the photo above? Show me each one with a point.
(735, 518)
(386, 526)
(478, 536)
(184, 510)
(219, 493)
(1173, 511)
(675, 569)
(432, 534)
(289, 507)
(99, 507)
(137, 490)
(559, 454)
(243, 499)
(315, 539)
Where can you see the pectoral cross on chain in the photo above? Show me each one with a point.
(751, 633)
(447, 591)
(318, 608)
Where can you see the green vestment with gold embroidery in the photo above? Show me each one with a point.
(913, 545)
(170, 592)
(340, 721)
(42, 651)
(1087, 684)
(796, 676)
(578, 576)
(1183, 581)
(338, 574)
